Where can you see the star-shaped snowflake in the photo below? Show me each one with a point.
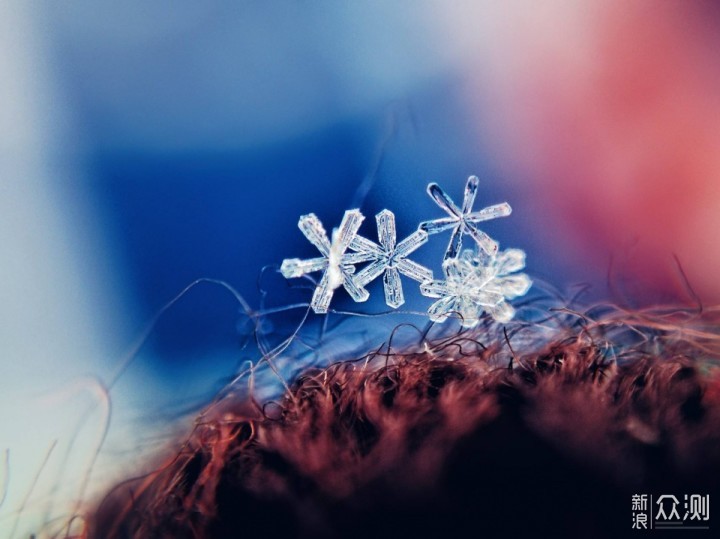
(390, 258)
(475, 283)
(335, 262)
(462, 220)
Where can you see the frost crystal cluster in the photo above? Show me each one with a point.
(475, 281)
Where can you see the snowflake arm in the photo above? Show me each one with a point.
(462, 220)
(313, 230)
(390, 258)
(294, 267)
(504, 264)
(509, 261)
(475, 283)
(442, 308)
(337, 265)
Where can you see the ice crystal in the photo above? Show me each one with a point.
(390, 258)
(476, 282)
(463, 220)
(338, 266)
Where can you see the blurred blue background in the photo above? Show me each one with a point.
(205, 131)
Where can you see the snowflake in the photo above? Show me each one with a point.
(475, 283)
(390, 258)
(338, 266)
(462, 220)
(475, 280)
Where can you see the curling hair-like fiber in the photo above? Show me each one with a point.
(447, 442)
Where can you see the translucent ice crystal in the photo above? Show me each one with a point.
(463, 220)
(337, 265)
(390, 258)
(476, 282)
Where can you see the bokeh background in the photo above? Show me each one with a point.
(144, 145)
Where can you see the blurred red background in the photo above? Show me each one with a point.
(611, 111)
